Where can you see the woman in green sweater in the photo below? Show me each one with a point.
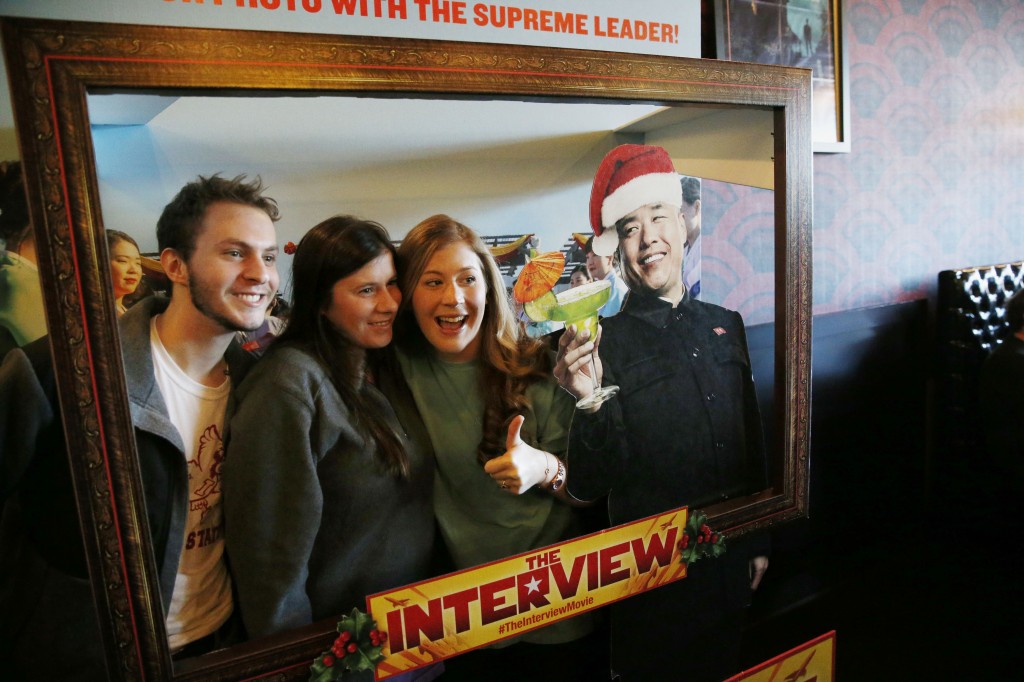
(498, 426)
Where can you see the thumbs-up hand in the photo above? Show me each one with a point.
(522, 466)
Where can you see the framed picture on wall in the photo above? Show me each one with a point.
(804, 33)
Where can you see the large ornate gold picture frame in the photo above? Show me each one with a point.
(52, 68)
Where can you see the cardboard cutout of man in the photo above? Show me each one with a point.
(684, 429)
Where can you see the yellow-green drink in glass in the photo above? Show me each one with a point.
(579, 306)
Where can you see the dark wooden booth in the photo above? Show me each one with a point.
(904, 552)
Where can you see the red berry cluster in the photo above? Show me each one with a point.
(357, 647)
(342, 647)
(377, 637)
(289, 249)
(706, 535)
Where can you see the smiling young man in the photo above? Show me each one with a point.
(684, 429)
(218, 247)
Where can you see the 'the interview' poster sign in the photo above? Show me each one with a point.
(442, 617)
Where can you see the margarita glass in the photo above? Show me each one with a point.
(578, 306)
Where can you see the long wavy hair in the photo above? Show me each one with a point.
(510, 360)
(330, 251)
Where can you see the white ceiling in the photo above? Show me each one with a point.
(438, 145)
(500, 166)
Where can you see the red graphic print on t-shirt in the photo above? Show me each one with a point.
(210, 454)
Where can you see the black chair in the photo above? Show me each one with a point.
(970, 321)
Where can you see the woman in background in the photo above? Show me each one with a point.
(326, 500)
(125, 267)
(580, 276)
(498, 425)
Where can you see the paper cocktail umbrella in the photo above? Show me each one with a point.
(539, 276)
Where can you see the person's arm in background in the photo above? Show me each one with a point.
(25, 412)
(21, 298)
(757, 465)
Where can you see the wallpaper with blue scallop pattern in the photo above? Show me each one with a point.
(935, 178)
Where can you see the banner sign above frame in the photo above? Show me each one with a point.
(657, 27)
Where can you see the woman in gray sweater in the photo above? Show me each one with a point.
(326, 498)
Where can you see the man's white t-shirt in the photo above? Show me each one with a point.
(201, 602)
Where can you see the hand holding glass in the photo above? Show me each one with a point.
(578, 306)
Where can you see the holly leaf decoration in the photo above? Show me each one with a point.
(358, 647)
(699, 541)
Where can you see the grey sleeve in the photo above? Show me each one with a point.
(272, 503)
(25, 412)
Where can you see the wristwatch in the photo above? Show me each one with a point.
(559, 480)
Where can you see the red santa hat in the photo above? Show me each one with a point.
(630, 176)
